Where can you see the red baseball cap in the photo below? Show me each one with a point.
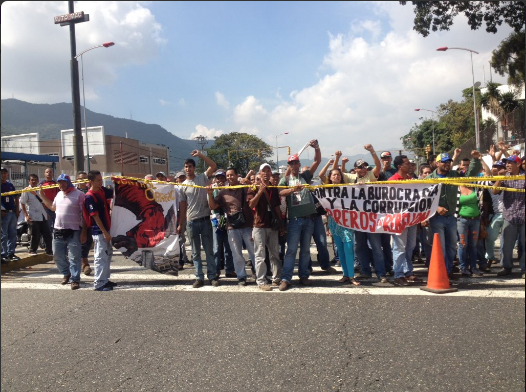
(293, 158)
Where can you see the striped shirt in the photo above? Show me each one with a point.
(69, 209)
(513, 202)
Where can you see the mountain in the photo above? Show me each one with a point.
(19, 117)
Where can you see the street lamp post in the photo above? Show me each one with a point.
(105, 45)
(477, 135)
(277, 149)
(432, 111)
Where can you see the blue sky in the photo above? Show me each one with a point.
(346, 73)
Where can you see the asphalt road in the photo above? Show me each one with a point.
(156, 333)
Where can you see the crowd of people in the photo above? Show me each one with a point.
(278, 218)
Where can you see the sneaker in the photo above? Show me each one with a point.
(12, 257)
(198, 283)
(49, 254)
(400, 282)
(242, 282)
(485, 267)
(103, 288)
(32, 253)
(276, 282)
(383, 279)
(65, 279)
(109, 283)
(284, 285)
(265, 287)
(455, 269)
(465, 272)
(75, 285)
(330, 270)
(305, 282)
(5, 260)
(504, 272)
(334, 261)
(413, 279)
(230, 275)
(214, 283)
(477, 273)
(87, 270)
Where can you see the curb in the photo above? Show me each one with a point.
(26, 262)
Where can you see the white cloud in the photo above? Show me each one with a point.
(182, 102)
(35, 52)
(164, 103)
(222, 101)
(372, 82)
(209, 133)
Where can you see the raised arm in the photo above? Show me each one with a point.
(337, 155)
(212, 166)
(317, 156)
(377, 163)
(323, 171)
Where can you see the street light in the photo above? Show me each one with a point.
(105, 45)
(277, 149)
(477, 136)
(432, 111)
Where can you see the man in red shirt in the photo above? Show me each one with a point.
(50, 194)
(403, 244)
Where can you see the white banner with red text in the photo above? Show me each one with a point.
(375, 208)
(144, 223)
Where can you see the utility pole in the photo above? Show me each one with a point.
(201, 141)
(70, 20)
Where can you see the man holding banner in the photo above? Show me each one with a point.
(444, 222)
(403, 244)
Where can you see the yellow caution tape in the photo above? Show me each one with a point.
(453, 181)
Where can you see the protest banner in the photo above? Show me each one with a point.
(144, 224)
(378, 208)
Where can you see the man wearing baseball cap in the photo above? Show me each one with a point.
(387, 169)
(513, 204)
(10, 213)
(301, 210)
(67, 249)
(444, 221)
(161, 176)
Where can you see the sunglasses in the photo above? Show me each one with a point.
(362, 167)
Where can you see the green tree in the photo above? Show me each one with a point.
(439, 15)
(247, 152)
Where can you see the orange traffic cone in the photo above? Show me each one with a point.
(437, 280)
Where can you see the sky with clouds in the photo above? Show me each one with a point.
(345, 73)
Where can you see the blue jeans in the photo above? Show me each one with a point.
(426, 239)
(320, 238)
(101, 260)
(468, 231)
(51, 220)
(67, 254)
(299, 235)
(446, 227)
(201, 230)
(492, 232)
(388, 252)
(237, 237)
(9, 234)
(366, 256)
(346, 256)
(510, 233)
(222, 251)
(403, 246)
